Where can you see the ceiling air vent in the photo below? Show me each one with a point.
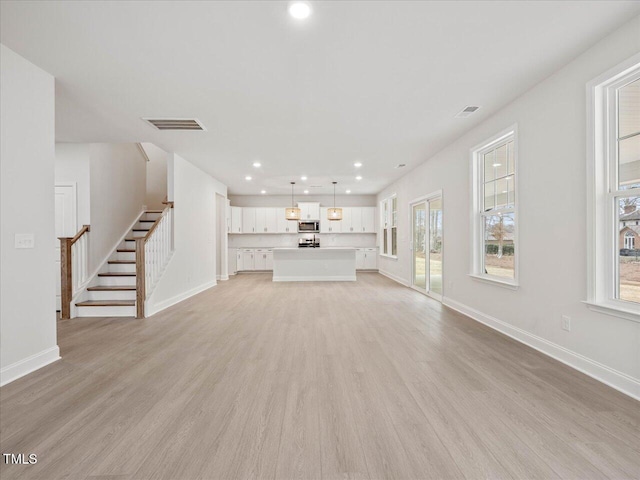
(466, 111)
(175, 123)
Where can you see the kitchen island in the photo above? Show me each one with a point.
(314, 264)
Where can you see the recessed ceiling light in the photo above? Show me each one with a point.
(248, 177)
(348, 191)
(357, 164)
(306, 191)
(497, 164)
(299, 10)
(257, 164)
(263, 191)
(303, 178)
(358, 177)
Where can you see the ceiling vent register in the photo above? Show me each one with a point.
(175, 123)
(466, 111)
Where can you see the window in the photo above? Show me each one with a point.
(614, 191)
(389, 223)
(494, 220)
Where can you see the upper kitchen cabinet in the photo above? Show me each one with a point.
(358, 220)
(236, 220)
(248, 220)
(284, 225)
(266, 220)
(309, 210)
(329, 226)
(369, 219)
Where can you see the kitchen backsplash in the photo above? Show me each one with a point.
(284, 240)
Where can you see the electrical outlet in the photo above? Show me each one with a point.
(24, 240)
(566, 323)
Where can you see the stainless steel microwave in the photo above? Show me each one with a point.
(309, 227)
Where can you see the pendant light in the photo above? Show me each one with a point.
(292, 213)
(334, 213)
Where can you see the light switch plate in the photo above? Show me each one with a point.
(25, 240)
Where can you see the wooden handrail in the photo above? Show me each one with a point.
(83, 230)
(66, 271)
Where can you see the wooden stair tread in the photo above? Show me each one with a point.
(153, 211)
(107, 303)
(126, 250)
(147, 221)
(140, 229)
(107, 288)
(117, 274)
(122, 262)
(131, 239)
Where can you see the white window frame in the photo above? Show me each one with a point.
(387, 220)
(477, 215)
(602, 212)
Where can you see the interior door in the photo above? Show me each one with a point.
(66, 225)
(427, 243)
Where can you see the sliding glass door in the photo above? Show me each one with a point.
(426, 225)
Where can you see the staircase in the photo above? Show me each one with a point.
(114, 292)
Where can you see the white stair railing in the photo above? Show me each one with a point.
(153, 252)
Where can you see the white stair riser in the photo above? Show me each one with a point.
(111, 295)
(131, 256)
(122, 267)
(151, 216)
(106, 311)
(138, 234)
(111, 281)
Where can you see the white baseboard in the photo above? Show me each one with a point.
(223, 277)
(617, 380)
(394, 278)
(152, 309)
(27, 365)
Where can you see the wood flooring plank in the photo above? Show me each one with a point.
(366, 379)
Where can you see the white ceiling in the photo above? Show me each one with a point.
(376, 81)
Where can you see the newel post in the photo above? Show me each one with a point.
(140, 278)
(66, 282)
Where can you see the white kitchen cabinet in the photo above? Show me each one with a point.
(351, 220)
(366, 259)
(368, 219)
(329, 226)
(271, 220)
(239, 258)
(260, 259)
(236, 220)
(232, 261)
(248, 220)
(284, 225)
(359, 258)
(309, 210)
(370, 258)
(263, 259)
(248, 259)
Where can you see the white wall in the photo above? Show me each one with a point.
(118, 186)
(192, 268)
(285, 200)
(156, 176)
(551, 122)
(27, 283)
(72, 167)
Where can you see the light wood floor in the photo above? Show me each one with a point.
(337, 380)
